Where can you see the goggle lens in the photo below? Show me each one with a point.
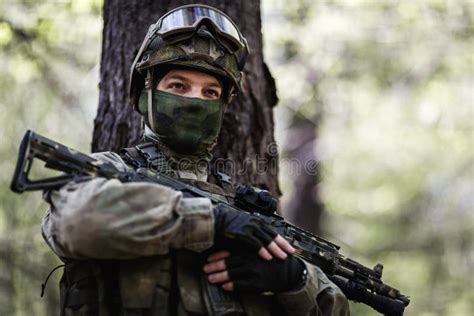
(188, 17)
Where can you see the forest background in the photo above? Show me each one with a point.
(387, 89)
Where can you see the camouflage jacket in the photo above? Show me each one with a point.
(133, 249)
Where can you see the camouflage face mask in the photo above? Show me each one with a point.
(186, 125)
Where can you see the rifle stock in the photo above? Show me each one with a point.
(359, 283)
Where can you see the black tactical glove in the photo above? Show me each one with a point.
(252, 275)
(241, 227)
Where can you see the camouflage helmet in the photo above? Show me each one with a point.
(193, 36)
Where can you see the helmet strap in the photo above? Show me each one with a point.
(149, 87)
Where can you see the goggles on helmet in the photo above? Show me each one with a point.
(185, 20)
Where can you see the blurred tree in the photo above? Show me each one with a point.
(305, 207)
(392, 85)
(48, 52)
(248, 124)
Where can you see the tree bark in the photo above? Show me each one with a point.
(305, 207)
(246, 141)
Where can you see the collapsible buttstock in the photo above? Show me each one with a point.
(33, 147)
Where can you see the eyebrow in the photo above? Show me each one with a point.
(177, 77)
(214, 84)
(208, 83)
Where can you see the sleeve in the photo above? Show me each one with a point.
(319, 296)
(107, 219)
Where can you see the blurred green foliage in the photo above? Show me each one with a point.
(49, 55)
(392, 85)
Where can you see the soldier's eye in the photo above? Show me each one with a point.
(176, 85)
(212, 93)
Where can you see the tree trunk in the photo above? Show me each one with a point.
(305, 207)
(246, 141)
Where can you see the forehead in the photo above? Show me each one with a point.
(193, 76)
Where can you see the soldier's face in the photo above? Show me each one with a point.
(191, 84)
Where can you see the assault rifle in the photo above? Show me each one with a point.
(359, 283)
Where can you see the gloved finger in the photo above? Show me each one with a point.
(250, 241)
(284, 244)
(264, 254)
(270, 231)
(235, 261)
(214, 266)
(275, 250)
(256, 242)
(219, 277)
(218, 255)
(241, 273)
(263, 236)
(229, 286)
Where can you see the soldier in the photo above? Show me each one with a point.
(144, 248)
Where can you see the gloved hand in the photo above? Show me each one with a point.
(248, 274)
(244, 227)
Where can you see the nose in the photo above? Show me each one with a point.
(195, 93)
(187, 109)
